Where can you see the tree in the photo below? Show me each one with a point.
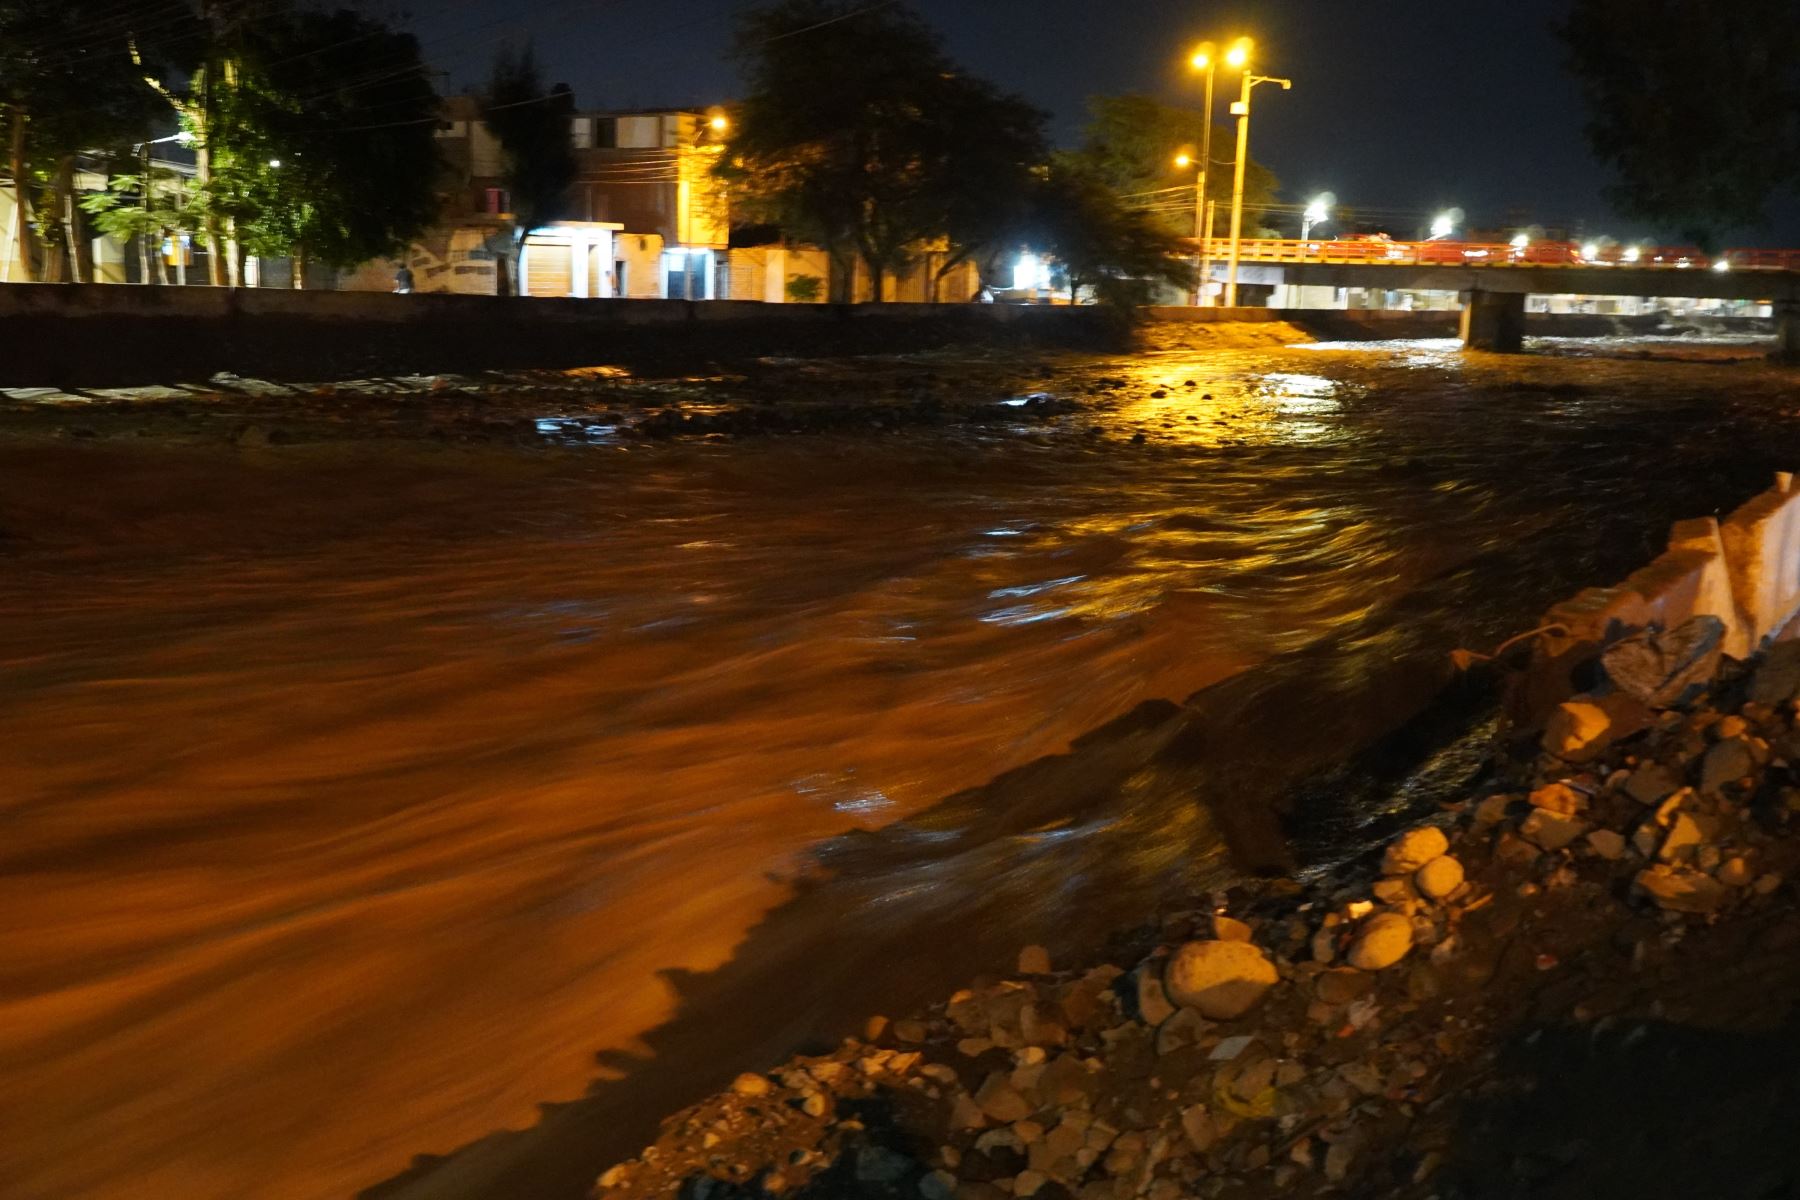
(1694, 104)
(531, 123)
(316, 134)
(1131, 143)
(65, 90)
(856, 132)
(1120, 252)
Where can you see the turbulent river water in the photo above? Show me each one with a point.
(366, 802)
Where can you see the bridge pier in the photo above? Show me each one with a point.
(1493, 321)
(1787, 332)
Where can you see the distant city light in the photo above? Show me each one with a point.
(1442, 225)
(1591, 251)
(1631, 254)
(1521, 240)
(1031, 272)
(1722, 265)
(276, 163)
(719, 124)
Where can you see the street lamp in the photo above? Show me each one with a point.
(1206, 58)
(1443, 225)
(1317, 213)
(1240, 57)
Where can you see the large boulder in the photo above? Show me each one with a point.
(1413, 849)
(1439, 877)
(1221, 980)
(1382, 941)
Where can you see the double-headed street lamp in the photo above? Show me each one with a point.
(1241, 110)
(1206, 58)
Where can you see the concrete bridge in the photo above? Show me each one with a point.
(1493, 281)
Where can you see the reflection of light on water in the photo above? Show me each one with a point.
(575, 430)
(1023, 614)
(1032, 589)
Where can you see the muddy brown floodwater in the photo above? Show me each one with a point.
(354, 797)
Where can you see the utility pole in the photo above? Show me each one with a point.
(1241, 110)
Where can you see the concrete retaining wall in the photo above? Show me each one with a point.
(1744, 571)
(75, 336)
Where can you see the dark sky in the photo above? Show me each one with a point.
(1397, 104)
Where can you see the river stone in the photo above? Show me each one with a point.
(1727, 762)
(1413, 849)
(1606, 843)
(1684, 832)
(1439, 877)
(1681, 891)
(1559, 798)
(1034, 960)
(1221, 979)
(1735, 872)
(1383, 941)
(1576, 727)
(1650, 783)
(750, 1084)
(1551, 831)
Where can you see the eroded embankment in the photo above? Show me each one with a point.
(1575, 983)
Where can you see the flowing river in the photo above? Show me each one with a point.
(362, 802)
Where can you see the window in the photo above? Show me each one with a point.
(606, 133)
(495, 201)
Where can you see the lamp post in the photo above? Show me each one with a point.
(1206, 58)
(1317, 213)
(1240, 57)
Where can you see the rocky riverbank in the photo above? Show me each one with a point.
(1564, 985)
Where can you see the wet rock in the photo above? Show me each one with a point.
(1034, 960)
(1152, 999)
(1181, 1030)
(1606, 844)
(749, 1084)
(1201, 1130)
(1576, 728)
(1726, 763)
(878, 1164)
(1551, 831)
(1228, 929)
(1413, 849)
(1343, 985)
(1735, 872)
(1662, 670)
(1493, 809)
(1651, 783)
(1223, 980)
(1382, 941)
(1559, 798)
(1683, 835)
(1679, 890)
(1439, 877)
(999, 1100)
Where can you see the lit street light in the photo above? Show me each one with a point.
(1240, 57)
(1443, 225)
(1317, 213)
(1206, 57)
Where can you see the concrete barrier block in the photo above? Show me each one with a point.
(1762, 558)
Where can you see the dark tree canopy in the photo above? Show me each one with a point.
(1119, 252)
(325, 146)
(857, 132)
(1695, 104)
(1131, 144)
(531, 122)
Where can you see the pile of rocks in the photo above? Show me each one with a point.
(1313, 1043)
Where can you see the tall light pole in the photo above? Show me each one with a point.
(1206, 58)
(1317, 213)
(1240, 57)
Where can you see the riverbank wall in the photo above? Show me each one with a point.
(100, 336)
(1482, 991)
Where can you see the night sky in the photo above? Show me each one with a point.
(1407, 105)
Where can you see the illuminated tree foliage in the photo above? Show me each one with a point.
(68, 86)
(1117, 251)
(1695, 105)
